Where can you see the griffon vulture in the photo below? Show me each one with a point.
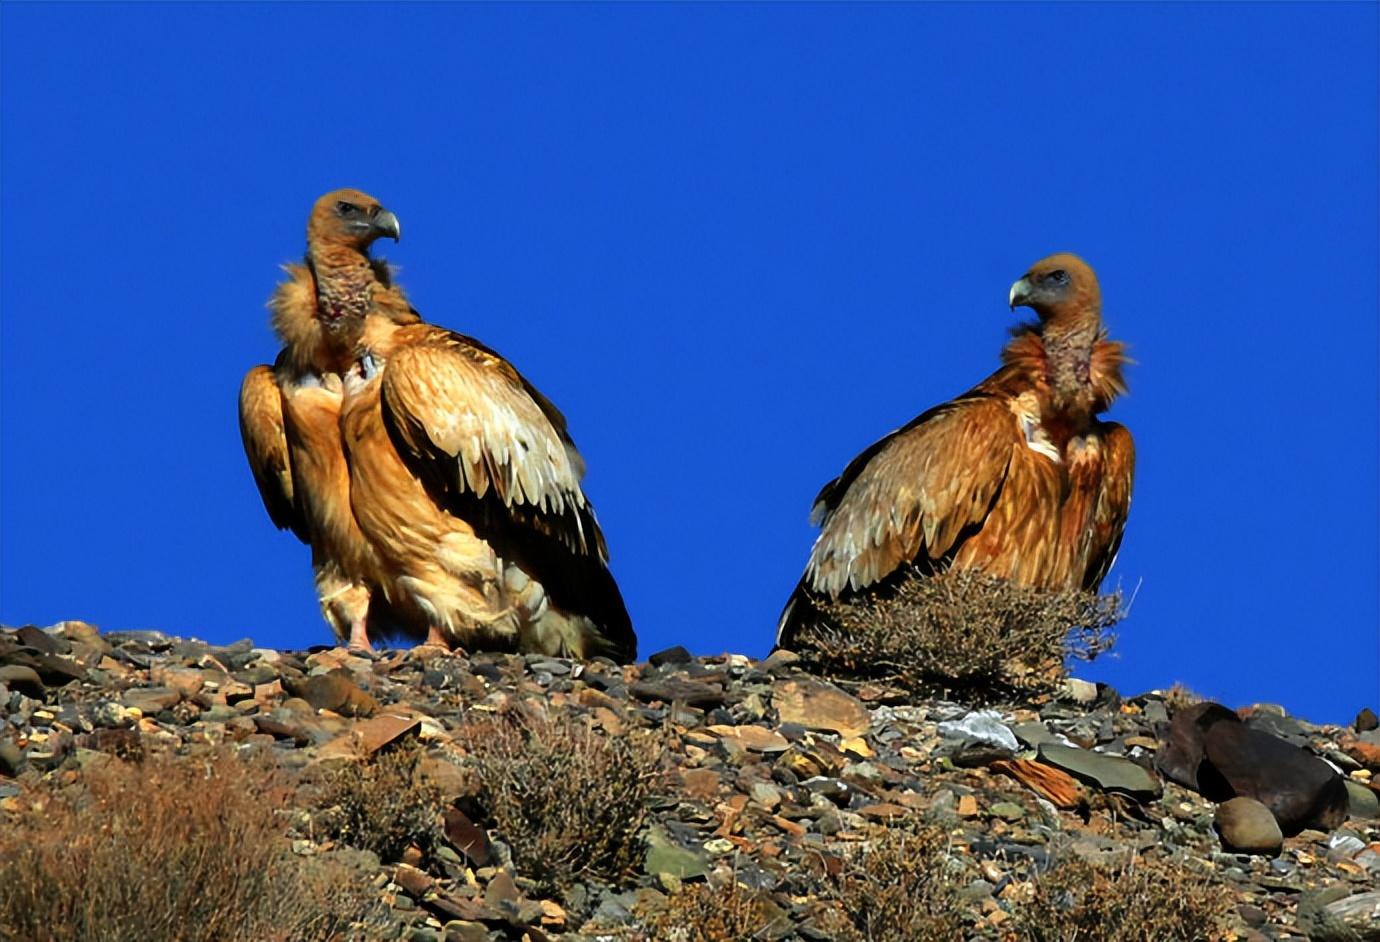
(1017, 477)
(290, 412)
(464, 479)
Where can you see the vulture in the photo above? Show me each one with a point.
(290, 412)
(465, 482)
(1017, 478)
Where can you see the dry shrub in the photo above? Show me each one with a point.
(382, 804)
(1180, 697)
(1139, 900)
(961, 629)
(902, 885)
(569, 800)
(698, 912)
(171, 850)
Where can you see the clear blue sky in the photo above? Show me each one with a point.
(735, 244)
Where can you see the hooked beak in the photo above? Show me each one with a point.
(1020, 294)
(386, 224)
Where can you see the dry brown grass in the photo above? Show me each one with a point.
(699, 912)
(1179, 697)
(569, 800)
(963, 630)
(175, 849)
(901, 885)
(1140, 900)
(382, 804)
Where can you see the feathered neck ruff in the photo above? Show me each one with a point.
(1096, 369)
(313, 344)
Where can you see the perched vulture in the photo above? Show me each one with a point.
(464, 479)
(290, 412)
(1017, 478)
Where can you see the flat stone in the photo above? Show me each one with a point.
(673, 655)
(24, 679)
(336, 692)
(1350, 918)
(151, 700)
(469, 838)
(1246, 826)
(1362, 802)
(1033, 733)
(818, 705)
(40, 640)
(752, 738)
(1109, 773)
(695, 693)
(11, 758)
(665, 857)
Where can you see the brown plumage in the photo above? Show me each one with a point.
(290, 412)
(466, 480)
(1017, 477)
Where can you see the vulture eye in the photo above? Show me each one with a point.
(1058, 277)
(345, 209)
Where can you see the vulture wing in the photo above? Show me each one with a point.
(495, 452)
(466, 422)
(1113, 501)
(266, 447)
(914, 494)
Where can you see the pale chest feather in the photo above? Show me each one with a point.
(1026, 408)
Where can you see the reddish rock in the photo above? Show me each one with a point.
(1211, 751)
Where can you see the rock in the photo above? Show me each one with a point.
(24, 679)
(1031, 734)
(1079, 691)
(1247, 826)
(1333, 916)
(695, 693)
(665, 857)
(1366, 721)
(752, 738)
(336, 692)
(1050, 783)
(469, 838)
(1362, 802)
(1007, 811)
(818, 705)
(111, 715)
(674, 655)
(1109, 773)
(766, 795)
(151, 700)
(11, 758)
(366, 738)
(40, 640)
(1211, 751)
(983, 726)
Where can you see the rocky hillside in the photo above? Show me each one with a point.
(155, 788)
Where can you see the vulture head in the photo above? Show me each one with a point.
(351, 219)
(1060, 287)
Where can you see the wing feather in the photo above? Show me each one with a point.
(912, 494)
(266, 447)
(1113, 501)
(467, 422)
